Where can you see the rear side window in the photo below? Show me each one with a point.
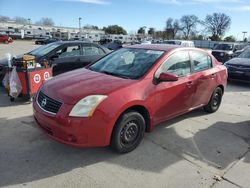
(92, 50)
(178, 63)
(201, 61)
(69, 51)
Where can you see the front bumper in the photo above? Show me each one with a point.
(239, 74)
(78, 132)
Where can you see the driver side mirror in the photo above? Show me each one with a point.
(167, 77)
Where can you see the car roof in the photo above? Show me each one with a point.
(160, 47)
(73, 42)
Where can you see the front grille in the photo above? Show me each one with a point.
(48, 104)
(218, 56)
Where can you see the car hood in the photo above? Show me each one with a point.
(239, 61)
(72, 86)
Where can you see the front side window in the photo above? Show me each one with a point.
(245, 53)
(178, 63)
(201, 61)
(129, 63)
(69, 51)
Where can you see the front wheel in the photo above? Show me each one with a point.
(128, 132)
(215, 101)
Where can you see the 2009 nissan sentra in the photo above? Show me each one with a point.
(115, 100)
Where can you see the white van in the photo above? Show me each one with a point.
(184, 43)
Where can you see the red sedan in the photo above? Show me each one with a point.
(115, 100)
(5, 39)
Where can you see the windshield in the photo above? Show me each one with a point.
(129, 63)
(245, 53)
(224, 47)
(43, 50)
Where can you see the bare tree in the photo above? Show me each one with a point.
(4, 18)
(172, 27)
(217, 24)
(46, 22)
(21, 20)
(188, 24)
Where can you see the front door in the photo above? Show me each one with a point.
(68, 58)
(173, 98)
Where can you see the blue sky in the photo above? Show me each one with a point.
(130, 14)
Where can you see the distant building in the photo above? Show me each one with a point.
(36, 31)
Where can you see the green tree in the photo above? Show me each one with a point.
(215, 38)
(114, 29)
(230, 39)
(141, 30)
(151, 31)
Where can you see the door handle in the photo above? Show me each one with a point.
(189, 84)
(213, 75)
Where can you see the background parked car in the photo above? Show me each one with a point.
(227, 50)
(239, 68)
(115, 45)
(5, 39)
(65, 55)
(46, 40)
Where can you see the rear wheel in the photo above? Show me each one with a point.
(128, 132)
(215, 101)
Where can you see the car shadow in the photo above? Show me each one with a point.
(5, 99)
(236, 86)
(29, 155)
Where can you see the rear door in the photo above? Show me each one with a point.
(90, 53)
(204, 77)
(173, 98)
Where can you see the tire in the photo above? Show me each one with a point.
(128, 132)
(215, 101)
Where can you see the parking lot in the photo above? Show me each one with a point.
(194, 150)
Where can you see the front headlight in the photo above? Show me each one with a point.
(86, 106)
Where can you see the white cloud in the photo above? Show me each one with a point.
(175, 2)
(218, 1)
(99, 2)
(245, 8)
(190, 2)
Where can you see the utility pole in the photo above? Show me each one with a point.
(80, 29)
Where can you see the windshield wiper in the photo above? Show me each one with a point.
(115, 74)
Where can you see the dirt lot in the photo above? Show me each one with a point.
(194, 150)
